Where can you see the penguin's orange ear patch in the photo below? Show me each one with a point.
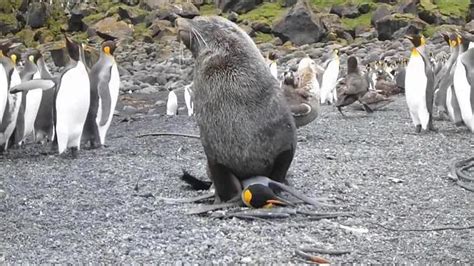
(107, 50)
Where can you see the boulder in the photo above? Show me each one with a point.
(471, 11)
(388, 25)
(152, 4)
(233, 16)
(112, 26)
(332, 23)
(38, 14)
(364, 8)
(408, 6)
(238, 6)
(8, 24)
(160, 28)
(469, 27)
(130, 2)
(381, 11)
(299, 25)
(75, 22)
(288, 3)
(135, 15)
(172, 11)
(345, 11)
(261, 27)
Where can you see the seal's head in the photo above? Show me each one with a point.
(213, 34)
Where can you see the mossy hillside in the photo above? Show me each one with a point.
(208, 10)
(266, 13)
(8, 6)
(263, 37)
(329, 3)
(457, 8)
(352, 23)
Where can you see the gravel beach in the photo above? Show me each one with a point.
(62, 210)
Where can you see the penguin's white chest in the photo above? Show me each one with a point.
(274, 70)
(33, 100)
(188, 100)
(463, 95)
(114, 87)
(329, 80)
(415, 83)
(72, 106)
(172, 104)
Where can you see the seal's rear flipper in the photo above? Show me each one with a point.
(195, 183)
(299, 195)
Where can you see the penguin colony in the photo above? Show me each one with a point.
(76, 105)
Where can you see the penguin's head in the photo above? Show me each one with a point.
(272, 56)
(108, 47)
(261, 196)
(14, 56)
(33, 55)
(73, 48)
(335, 52)
(416, 39)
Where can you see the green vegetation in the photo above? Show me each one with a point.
(263, 37)
(208, 9)
(7, 6)
(330, 3)
(26, 36)
(91, 19)
(266, 13)
(140, 30)
(456, 8)
(352, 23)
(8, 18)
(430, 30)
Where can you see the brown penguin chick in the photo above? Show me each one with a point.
(386, 87)
(302, 92)
(356, 87)
(374, 100)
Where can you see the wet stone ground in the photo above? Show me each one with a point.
(62, 210)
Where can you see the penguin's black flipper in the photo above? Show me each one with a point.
(33, 84)
(195, 183)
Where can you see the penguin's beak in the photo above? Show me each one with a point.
(409, 37)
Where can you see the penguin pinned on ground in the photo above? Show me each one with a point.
(356, 87)
(172, 104)
(188, 99)
(12, 108)
(419, 83)
(104, 91)
(463, 80)
(329, 80)
(30, 102)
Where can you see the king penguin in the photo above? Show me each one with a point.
(188, 99)
(12, 108)
(31, 100)
(44, 122)
(463, 81)
(172, 104)
(419, 82)
(72, 100)
(329, 81)
(445, 98)
(105, 83)
(272, 64)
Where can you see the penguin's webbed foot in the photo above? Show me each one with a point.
(367, 108)
(418, 129)
(339, 108)
(74, 152)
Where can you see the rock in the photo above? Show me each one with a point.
(172, 11)
(471, 11)
(345, 11)
(288, 3)
(135, 15)
(261, 27)
(113, 27)
(332, 23)
(388, 25)
(130, 2)
(233, 16)
(152, 4)
(239, 6)
(408, 6)
(75, 22)
(248, 30)
(38, 14)
(381, 12)
(299, 25)
(8, 24)
(364, 8)
(160, 28)
(469, 27)
(198, 3)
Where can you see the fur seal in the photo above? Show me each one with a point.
(245, 123)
